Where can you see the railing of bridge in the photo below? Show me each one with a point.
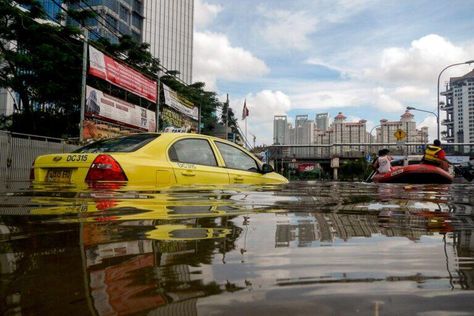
(318, 151)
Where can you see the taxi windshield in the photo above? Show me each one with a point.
(122, 144)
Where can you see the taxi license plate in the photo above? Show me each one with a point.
(58, 175)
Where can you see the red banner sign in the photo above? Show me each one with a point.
(306, 167)
(107, 68)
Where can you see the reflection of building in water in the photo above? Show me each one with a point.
(464, 243)
(304, 231)
(464, 206)
(325, 227)
(123, 275)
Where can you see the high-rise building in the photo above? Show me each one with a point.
(116, 17)
(322, 121)
(386, 132)
(168, 28)
(280, 130)
(348, 132)
(304, 130)
(459, 109)
(51, 8)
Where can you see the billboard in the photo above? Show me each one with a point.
(173, 119)
(96, 130)
(180, 104)
(117, 73)
(306, 167)
(107, 108)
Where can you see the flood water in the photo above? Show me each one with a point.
(316, 248)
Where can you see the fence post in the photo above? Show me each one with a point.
(8, 157)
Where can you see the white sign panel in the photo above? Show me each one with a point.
(102, 106)
(173, 100)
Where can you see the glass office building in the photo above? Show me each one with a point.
(168, 28)
(116, 17)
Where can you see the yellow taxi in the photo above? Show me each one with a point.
(156, 159)
(186, 233)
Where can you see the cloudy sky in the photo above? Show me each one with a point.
(367, 58)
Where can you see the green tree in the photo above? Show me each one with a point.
(41, 61)
(228, 116)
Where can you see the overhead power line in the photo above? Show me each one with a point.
(68, 13)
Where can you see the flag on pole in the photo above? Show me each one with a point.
(245, 111)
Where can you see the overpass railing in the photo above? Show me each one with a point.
(346, 150)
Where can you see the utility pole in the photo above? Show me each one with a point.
(83, 84)
(227, 117)
(199, 119)
(157, 113)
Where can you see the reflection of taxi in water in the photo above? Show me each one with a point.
(164, 159)
(186, 233)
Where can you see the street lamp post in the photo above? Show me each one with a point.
(439, 77)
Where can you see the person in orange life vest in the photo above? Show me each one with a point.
(435, 155)
(383, 162)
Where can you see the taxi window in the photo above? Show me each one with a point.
(196, 151)
(236, 159)
(121, 144)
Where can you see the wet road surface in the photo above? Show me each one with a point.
(302, 248)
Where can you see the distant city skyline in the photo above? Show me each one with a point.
(304, 130)
(369, 59)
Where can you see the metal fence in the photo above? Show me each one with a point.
(18, 151)
(360, 150)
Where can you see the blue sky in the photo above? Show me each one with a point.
(367, 58)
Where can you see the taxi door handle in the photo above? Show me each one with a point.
(188, 173)
(239, 178)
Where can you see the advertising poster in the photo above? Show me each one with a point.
(117, 73)
(103, 107)
(306, 167)
(94, 130)
(175, 120)
(180, 104)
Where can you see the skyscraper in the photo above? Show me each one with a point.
(280, 130)
(116, 17)
(459, 109)
(322, 121)
(168, 28)
(304, 130)
(51, 9)
(167, 25)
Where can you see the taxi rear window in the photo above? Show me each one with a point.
(122, 144)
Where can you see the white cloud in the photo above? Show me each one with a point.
(327, 95)
(263, 106)
(341, 10)
(287, 29)
(421, 62)
(215, 58)
(408, 76)
(411, 93)
(205, 13)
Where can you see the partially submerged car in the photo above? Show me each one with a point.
(156, 159)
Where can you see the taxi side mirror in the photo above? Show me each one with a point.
(266, 168)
